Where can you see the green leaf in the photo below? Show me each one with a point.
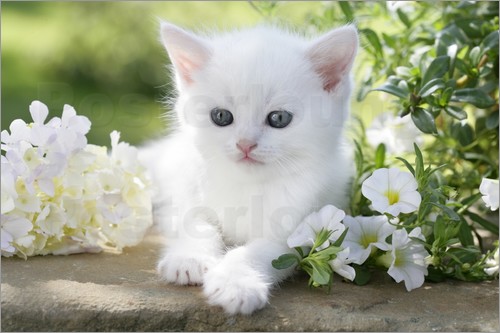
(408, 165)
(483, 222)
(285, 261)
(471, 199)
(439, 230)
(321, 237)
(473, 96)
(380, 156)
(373, 40)
(327, 254)
(431, 87)
(492, 121)
(419, 162)
(465, 233)
(363, 275)
(444, 99)
(393, 90)
(437, 68)
(404, 18)
(475, 55)
(339, 241)
(463, 133)
(452, 215)
(456, 112)
(389, 40)
(321, 273)
(345, 6)
(424, 121)
(435, 274)
(464, 254)
(490, 42)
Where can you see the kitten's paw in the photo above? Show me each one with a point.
(237, 289)
(185, 269)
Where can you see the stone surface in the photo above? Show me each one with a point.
(110, 292)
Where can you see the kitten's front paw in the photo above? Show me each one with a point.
(185, 269)
(237, 288)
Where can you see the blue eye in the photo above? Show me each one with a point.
(221, 117)
(279, 119)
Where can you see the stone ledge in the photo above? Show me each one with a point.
(109, 292)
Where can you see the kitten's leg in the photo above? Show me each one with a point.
(189, 256)
(241, 282)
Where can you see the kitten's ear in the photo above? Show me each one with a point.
(332, 55)
(187, 51)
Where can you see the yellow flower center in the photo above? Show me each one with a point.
(400, 260)
(393, 196)
(366, 240)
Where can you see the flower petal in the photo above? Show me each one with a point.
(489, 188)
(39, 112)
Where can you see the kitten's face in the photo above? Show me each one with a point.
(257, 104)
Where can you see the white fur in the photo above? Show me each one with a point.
(207, 200)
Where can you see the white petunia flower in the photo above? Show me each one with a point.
(365, 234)
(340, 265)
(406, 258)
(392, 191)
(492, 264)
(489, 189)
(396, 133)
(328, 218)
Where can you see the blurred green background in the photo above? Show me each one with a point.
(105, 58)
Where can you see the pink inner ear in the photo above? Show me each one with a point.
(331, 75)
(188, 53)
(331, 68)
(332, 56)
(186, 67)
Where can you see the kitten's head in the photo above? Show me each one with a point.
(262, 101)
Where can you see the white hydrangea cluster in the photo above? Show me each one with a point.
(61, 195)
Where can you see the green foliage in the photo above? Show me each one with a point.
(315, 262)
(439, 63)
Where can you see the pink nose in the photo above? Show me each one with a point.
(246, 146)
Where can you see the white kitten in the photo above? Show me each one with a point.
(259, 145)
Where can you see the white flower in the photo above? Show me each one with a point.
(13, 228)
(8, 187)
(340, 265)
(130, 231)
(328, 218)
(396, 133)
(406, 258)
(70, 120)
(62, 196)
(392, 191)
(123, 154)
(489, 189)
(492, 264)
(19, 131)
(39, 133)
(51, 220)
(365, 234)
